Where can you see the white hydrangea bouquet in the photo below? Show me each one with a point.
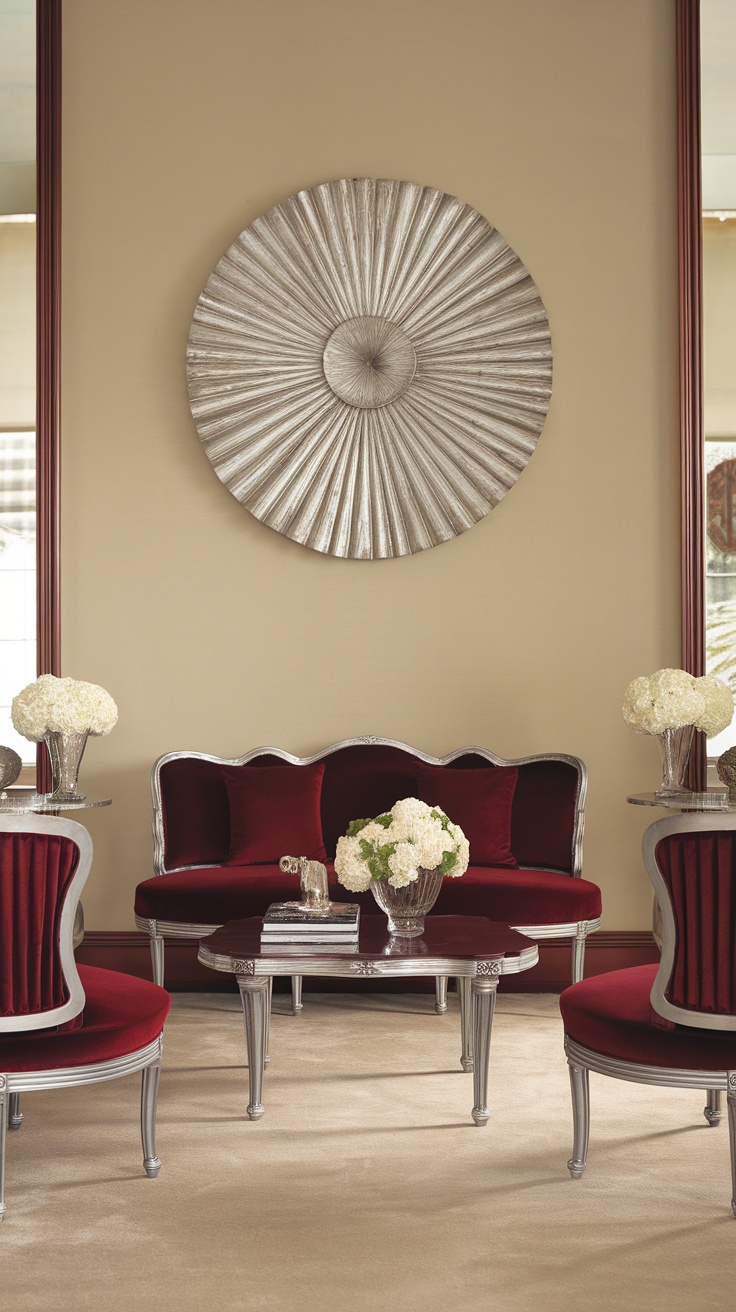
(52, 705)
(670, 705)
(674, 699)
(394, 847)
(63, 713)
(402, 856)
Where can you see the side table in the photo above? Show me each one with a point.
(476, 951)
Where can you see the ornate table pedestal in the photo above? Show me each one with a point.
(476, 951)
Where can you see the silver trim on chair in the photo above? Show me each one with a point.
(710, 822)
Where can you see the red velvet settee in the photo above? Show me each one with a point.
(196, 887)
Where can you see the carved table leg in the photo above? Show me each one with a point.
(731, 1100)
(266, 1057)
(440, 993)
(3, 1124)
(466, 1021)
(484, 1001)
(254, 996)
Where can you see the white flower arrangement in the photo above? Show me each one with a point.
(394, 847)
(672, 699)
(52, 705)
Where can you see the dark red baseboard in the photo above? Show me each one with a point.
(129, 952)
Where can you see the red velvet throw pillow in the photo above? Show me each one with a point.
(274, 812)
(480, 802)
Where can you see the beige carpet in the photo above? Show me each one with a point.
(366, 1185)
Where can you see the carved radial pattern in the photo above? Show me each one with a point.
(369, 367)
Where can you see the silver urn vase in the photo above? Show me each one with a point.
(406, 907)
(65, 754)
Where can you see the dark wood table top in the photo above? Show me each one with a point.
(459, 941)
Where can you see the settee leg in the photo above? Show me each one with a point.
(15, 1115)
(712, 1109)
(157, 959)
(296, 995)
(440, 994)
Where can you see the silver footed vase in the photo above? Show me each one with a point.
(674, 750)
(406, 907)
(65, 754)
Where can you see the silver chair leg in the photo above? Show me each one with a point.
(3, 1126)
(464, 983)
(712, 1109)
(157, 959)
(296, 994)
(578, 957)
(579, 1086)
(149, 1095)
(731, 1098)
(15, 1115)
(440, 994)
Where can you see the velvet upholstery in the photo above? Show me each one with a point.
(612, 1014)
(480, 802)
(274, 813)
(222, 893)
(363, 780)
(35, 872)
(121, 1015)
(698, 871)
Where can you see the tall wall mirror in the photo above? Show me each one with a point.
(17, 360)
(30, 261)
(718, 154)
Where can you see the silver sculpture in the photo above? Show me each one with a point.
(10, 767)
(312, 879)
(369, 367)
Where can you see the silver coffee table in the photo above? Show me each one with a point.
(474, 950)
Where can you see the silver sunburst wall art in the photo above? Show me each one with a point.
(369, 367)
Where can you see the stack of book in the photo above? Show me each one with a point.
(290, 927)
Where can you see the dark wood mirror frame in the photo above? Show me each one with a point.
(692, 461)
(48, 346)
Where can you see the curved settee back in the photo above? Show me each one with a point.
(363, 777)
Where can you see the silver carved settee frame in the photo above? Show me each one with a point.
(159, 930)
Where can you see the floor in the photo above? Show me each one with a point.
(366, 1184)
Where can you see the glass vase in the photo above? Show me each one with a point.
(65, 754)
(406, 907)
(674, 750)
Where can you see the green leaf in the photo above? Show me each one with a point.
(355, 827)
(386, 819)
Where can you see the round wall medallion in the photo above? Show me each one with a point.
(369, 367)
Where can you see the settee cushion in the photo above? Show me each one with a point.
(121, 1014)
(480, 802)
(213, 895)
(274, 812)
(519, 897)
(612, 1014)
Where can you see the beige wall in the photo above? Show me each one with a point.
(182, 122)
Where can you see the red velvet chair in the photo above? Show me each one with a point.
(63, 1025)
(197, 886)
(672, 1024)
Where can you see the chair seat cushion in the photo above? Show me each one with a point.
(215, 894)
(612, 1014)
(121, 1014)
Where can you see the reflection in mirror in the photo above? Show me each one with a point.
(17, 359)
